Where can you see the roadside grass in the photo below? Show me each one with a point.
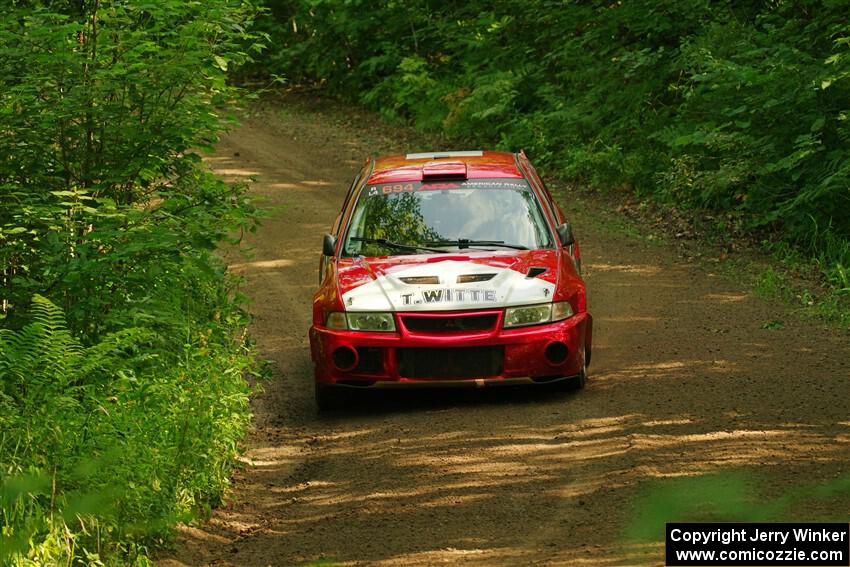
(785, 278)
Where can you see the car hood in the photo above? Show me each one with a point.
(443, 282)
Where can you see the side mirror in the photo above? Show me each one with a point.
(565, 233)
(328, 245)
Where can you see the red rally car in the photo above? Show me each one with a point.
(447, 269)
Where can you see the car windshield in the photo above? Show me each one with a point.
(408, 218)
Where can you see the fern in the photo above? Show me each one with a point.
(52, 413)
(44, 359)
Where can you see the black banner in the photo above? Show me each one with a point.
(758, 544)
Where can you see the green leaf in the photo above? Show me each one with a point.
(774, 325)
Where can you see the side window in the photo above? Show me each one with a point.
(559, 216)
(548, 202)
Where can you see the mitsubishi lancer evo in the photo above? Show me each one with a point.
(449, 269)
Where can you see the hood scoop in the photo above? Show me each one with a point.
(472, 278)
(535, 271)
(420, 280)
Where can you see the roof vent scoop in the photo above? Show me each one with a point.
(444, 170)
(535, 271)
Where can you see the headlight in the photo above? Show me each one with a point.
(537, 314)
(371, 322)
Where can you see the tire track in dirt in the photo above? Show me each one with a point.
(684, 381)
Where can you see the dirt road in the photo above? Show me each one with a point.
(685, 381)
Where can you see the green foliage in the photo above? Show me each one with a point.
(714, 498)
(723, 497)
(113, 442)
(728, 106)
(122, 353)
(105, 101)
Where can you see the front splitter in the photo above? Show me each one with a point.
(462, 383)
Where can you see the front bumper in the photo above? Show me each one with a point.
(496, 356)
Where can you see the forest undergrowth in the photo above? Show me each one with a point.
(123, 352)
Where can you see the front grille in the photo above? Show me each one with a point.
(464, 362)
(449, 324)
(370, 360)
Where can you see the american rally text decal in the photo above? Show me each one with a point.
(390, 188)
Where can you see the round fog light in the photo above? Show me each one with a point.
(556, 353)
(345, 358)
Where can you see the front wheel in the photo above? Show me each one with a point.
(329, 398)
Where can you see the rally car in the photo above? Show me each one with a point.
(449, 269)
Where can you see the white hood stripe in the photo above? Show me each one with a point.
(389, 293)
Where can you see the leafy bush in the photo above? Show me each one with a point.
(110, 443)
(122, 358)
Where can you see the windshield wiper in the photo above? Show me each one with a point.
(466, 243)
(396, 245)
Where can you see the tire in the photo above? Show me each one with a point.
(330, 398)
